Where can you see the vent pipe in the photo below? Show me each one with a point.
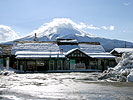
(61, 51)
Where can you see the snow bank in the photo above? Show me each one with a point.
(6, 72)
(123, 72)
(130, 76)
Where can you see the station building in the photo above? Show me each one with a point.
(62, 54)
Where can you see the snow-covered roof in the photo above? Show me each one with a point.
(68, 41)
(31, 54)
(53, 47)
(37, 47)
(101, 55)
(70, 51)
(88, 48)
(122, 50)
(47, 50)
(67, 48)
(39, 56)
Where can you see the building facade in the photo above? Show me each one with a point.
(63, 54)
(6, 58)
(119, 51)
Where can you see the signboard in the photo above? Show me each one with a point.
(1, 61)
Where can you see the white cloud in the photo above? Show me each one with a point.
(111, 28)
(127, 3)
(7, 34)
(104, 27)
(126, 31)
(92, 27)
(83, 25)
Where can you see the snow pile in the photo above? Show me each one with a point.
(130, 76)
(6, 72)
(123, 72)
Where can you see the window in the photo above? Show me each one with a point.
(31, 65)
(22, 65)
(40, 63)
(51, 65)
(59, 65)
(93, 64)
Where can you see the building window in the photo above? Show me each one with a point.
(51, 65)
(93, 64)
(59, 65)
(40, 65)
(22, 65)
(30, 65)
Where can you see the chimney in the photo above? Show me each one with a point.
(35, 38)
(61, 51)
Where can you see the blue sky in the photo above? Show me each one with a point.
(24, 16)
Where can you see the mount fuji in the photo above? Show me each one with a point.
(66, 28)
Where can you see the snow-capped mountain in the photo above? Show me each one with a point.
(66, 28)
(58, 28)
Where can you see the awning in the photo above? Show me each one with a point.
(102, 55)
(34, 55)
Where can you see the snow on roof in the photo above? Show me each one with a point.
(31, 54)
(38, 47)
(74, 41)
(52, 47)
(70, 51)
(88, 48)
(37, 53)
(39, 56)
(122, 50)
(101, 55)
(66, 48)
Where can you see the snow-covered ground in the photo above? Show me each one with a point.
(7, 71)
(62, 86)
(123, 72)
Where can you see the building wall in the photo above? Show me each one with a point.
(64, 64)
(42, 64)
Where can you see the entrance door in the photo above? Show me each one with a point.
(102, 64)
(72, 64)
(59, 65)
